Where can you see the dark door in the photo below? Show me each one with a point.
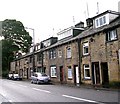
(95, 73)
(61, 74)
(27, 73)
(105, 77)
(44, 69)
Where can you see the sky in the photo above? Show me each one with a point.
(48, 17)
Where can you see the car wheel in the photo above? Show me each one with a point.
(31, 81)
(37, 82)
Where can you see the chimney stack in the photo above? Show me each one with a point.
(80, 25)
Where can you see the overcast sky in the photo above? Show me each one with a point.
(48, 17)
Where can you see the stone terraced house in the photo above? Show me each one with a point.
(89, 55)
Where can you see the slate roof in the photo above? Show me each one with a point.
(87, 32)
(91, 30)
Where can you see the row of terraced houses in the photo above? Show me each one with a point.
(89, 55)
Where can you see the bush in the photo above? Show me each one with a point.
(4, 74)
(114, 84)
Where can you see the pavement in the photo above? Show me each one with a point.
(83, 86)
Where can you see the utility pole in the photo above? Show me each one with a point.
(97, 8)
(87, 10)
(33, 55)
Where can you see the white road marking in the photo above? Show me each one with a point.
(41, 90)
(81, 99)
(22, 86)
(10, 100)
(11, 82)
(3, 94)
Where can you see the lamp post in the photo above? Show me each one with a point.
(33, 47)
(33, 34)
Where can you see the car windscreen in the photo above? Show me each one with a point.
(44, 74)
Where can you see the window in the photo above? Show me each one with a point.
(43, 55)
(100, 21)
(15, 63)
(104, 19)
(52, 54)
(111, 35)
(60, 53)
(38, 47)
(97, 23)
(68, 52)
(39, 57)
(86, 71)
(69, 72)
(85, 48)
(30, 59)
(53, 71)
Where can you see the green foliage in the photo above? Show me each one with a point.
(114, 84)
(15, 31)
(15, 38)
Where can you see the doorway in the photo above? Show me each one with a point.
(105, 77)
(61, 74)
(76, 75)
(96, 73)
(27, 73)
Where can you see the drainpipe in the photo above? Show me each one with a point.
(79, 59)
(42, 61)
(33, 55)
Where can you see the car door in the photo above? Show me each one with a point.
(35, 76)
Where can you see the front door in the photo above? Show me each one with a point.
(61, 74)
(76, 75)
(95, 73)
(105, 77)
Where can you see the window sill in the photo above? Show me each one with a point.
(86, 78)
(53, 76)
(85, 55)
(69, 58)
(111, 40)
(69, 78)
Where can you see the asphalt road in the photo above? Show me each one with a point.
(24, 91)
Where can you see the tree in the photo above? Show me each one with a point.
(7, 55)
(15, 31)
(16, 38)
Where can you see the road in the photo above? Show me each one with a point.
(24, 91)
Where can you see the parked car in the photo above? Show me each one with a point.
(14, 76)
(40, 78)
(10, 75)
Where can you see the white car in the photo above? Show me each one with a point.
(14, 76)
(40, 78)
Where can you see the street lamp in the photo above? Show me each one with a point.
(33, 34)
(33, 47)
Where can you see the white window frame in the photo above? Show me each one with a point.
(86, 68)
(51, 54)
(54, 54)
(100, 21)
(69, 72)
(53, 71)
(38, 47)
(59, 53)
(69, 54)
(112, 35)
(85, 45)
